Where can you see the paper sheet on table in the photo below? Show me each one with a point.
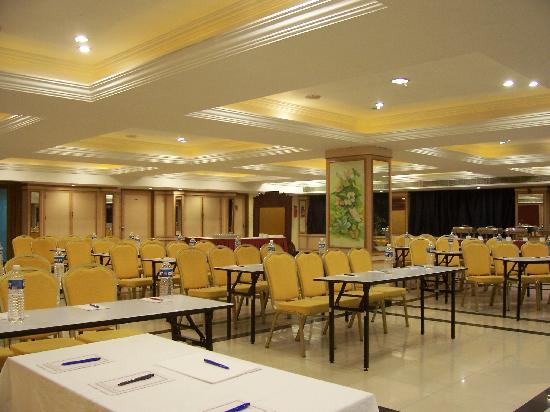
(90, 307)
(58, 367)
(111, 387)
(156, 300)
(229, 405)
(194, 366)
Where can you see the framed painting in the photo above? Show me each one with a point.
(347, 204)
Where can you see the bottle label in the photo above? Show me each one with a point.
(388, 254)
(165, 272)
(58, 259)
(16, 284)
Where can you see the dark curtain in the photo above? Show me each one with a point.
(438, 211)
(316, 214)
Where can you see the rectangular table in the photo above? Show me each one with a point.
(65, 318)
(520, 263)
(267, 388)
(255, 271)
(368, 279)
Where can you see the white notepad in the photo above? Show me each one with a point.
(91, 307)
(194, 366)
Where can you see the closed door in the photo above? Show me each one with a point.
(84, 213)
(57, 217)
(238, 215)
(192, 216)
(212, 215)
(136, 213)
(272, 220)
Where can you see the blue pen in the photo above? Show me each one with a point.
(76, 362)
(93, 305)
(219, 365)
(241, 407)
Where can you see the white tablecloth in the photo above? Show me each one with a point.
(26, 386)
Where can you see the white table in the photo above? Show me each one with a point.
(270, 389)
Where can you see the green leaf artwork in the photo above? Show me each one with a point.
(347, 218)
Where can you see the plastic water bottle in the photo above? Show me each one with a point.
(499, 238)
(322, 246)
(451, 240)
(1, 257)
(58, 270)
(131, 236)
(548, 244)
(430, 250)
(192, 242)
(237, 241)
(94, 236)
(407, 239)
(388, 256)
(16, 295)
(271, 246)
(165, 279)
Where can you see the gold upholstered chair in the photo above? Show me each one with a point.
(124, 260)
(250, 255)
(205, 245)
(22, 245)
(93, 283)
(418, 251)
(282, 275)
(44, 246)
(539, 273)
(78, 253)
(264, 249)
(442, 245)
(151, 250)
(30, 261)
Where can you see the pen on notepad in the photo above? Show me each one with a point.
(93, 305)
(138, 379)
(219, 365)
(240, 407)
(76, 362)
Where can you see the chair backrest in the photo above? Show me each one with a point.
(102, 245)
(22, 245)
(45, 247)
(193, 269)
(431, 238)
(150, 250)
(129, 242)
(114, 239)
(247, 255)
(220, 256)
(173, 248)
(62, 243)
(477, 258)
(29, 261)
(442, 244)
(205, 245)
(503, 250)
(399, 241)
(535, 249)
(89, 284)
(41, 289)
(124, 259)
(472, 240)
(310, 266)
(282, 277)
(264, 249)
(418, 251)
(360, 260)
(336, 263)
(78, 253)
(152, 241)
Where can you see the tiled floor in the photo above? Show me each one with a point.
(494, 364)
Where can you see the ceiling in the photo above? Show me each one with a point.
(232, 77)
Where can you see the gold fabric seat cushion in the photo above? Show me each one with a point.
(135, 282)
(345, 301)
(391, 291)
(304, 307)
(531, 278)
(374, 296)
(5, 353)
(487, 279)
(99, 336)
(213, 292)
(35, 346)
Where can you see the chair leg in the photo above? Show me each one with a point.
(493, 294)
(474, 291)
(405, 311)
(273, 324)
(384, 323)
(325, 327)
(538, 289)
(301, 326)
(351, 320)
(301, 333)
(360, 327)
(239, 306)
(523, 292)
(464, 292)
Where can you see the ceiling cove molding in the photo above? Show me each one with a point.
(222, 114)
(16, 122)
(479, 160)
(86, 171)
(83, 153)
(283, 169)
(296, 20)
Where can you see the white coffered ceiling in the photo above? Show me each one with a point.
(232, 78)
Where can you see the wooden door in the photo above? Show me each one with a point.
(136, 213)
(84, 217)
(57, 209)
(192, 215)
(212, 215)
(239, 215)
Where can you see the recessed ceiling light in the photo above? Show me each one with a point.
(150, 188)
(378, 106)
(508, 83)
(84, 48)
(402, 198)
(73, 185)
(401, 81)
(181, 139)
(504, 141)
(81, 39)
(479, 187)
(533, 83)
(313, 96)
